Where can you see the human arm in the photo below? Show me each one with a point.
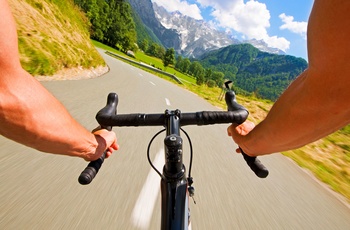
(30, 115)
(317, 102)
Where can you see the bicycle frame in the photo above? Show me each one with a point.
(175, 213)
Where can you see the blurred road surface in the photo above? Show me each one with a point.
(41, 191)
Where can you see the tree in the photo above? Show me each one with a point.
(179, 63)
(195, 68)
(169, 57)
(156, 50)
(218, 78)
(197, 71)
(186, 65)
(122, 28)
(211, 83)
(111, 22)
(144, 45)
(160, 52)
(152, 49)
(200, 79)
(208, 74)
(182, 64)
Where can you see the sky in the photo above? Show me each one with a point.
(280, 23)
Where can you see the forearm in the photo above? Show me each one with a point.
(317, 102)
(307, 111)
(29, 114)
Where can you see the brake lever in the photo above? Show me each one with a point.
(253, 162)
(93, 167)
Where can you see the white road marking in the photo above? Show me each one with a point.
(143, 210)
(167, 101)
(141, 74)
(152, 83)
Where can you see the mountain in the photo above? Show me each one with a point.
(198, 37)
(264, 74)
(262, 46)
(188, 36)
(143, 32)
(144, 8)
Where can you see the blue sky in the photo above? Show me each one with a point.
(280, 23)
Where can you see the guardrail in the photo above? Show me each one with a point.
(145, 66)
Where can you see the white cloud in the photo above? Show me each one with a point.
(251, 19)
(278, 42)
(183, 7)
(293, 26)
(220, 4)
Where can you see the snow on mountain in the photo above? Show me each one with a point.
(198, 36)
(261, 45)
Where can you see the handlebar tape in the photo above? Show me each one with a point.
(197, 118)
(91, 170)
(136, 119)
(255, 165)
(253, 162)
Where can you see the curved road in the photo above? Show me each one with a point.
(40, 191)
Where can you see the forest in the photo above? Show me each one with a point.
(111, 22)
(263, 74)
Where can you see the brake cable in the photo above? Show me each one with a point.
(190, 188)
(190, 179)
(148, 157)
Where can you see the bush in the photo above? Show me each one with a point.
(211, 83)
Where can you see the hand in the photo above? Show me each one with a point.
(238, 132)
(106, 140)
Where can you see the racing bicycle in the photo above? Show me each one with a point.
(176, 187)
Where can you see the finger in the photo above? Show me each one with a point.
(108, 154)
(96, 129)
(229, 130)
(111, 149)
(115, 146)
(238, 150)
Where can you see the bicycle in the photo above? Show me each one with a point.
(175, 187)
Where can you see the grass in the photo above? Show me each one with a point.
(156, 62)
(55, 37)
(328, 159)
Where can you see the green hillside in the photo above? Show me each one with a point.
(142, 31)
(53, 35)
(264, 74)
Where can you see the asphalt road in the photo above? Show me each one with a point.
(40, 191)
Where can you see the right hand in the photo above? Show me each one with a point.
(239, 132)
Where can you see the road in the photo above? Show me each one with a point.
(40, 191)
